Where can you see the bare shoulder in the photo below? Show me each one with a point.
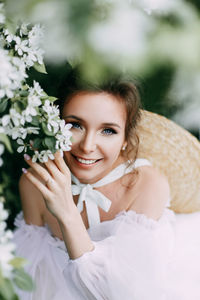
(32, 202)
(151, 192)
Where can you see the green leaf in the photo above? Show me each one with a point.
(40, 68)
(5, 140)
(52, 99)
(24, 93)
(35, 121)
(23, 280)
(50, 143)
(46, 130)
(18, 262)
(3, 105)
(6, 289)
(36, 143)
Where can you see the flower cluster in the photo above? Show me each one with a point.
(28, 115)
(6, 245)
(33, 121)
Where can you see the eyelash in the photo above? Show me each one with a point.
(75, 125)
(109, 131)
(106, 131)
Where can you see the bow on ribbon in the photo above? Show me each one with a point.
(92, 198)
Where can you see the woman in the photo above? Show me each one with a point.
(109, 233)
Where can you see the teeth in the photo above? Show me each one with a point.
(87, 162)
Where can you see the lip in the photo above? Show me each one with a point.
(82, 165)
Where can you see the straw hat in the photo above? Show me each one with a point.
(176, 153)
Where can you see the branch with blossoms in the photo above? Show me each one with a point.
(28, 115)
(28, 118)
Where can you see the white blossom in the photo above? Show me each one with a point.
(12, 74)
(64, 137)
(35, 35)
(25, 117)
(5, 120)
(33, 102)
(36, 89)
(24, 29)
(21, 45)
(9, 36)
(43, 156)
(29, 59)
(23, 146)
(15, 117)
(52, 116)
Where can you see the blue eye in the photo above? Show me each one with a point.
(75, 125)
(109, 131)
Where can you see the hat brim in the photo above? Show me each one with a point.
(176, 153)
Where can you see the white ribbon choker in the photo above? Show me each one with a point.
(94, 198)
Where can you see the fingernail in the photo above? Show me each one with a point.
(26, 156)
(24, 170)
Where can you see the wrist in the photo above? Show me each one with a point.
(69, 216)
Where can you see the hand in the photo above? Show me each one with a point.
(55, 185)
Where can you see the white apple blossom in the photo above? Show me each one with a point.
(64, 137)
(24, 29)
(43, 156)
(9, 36)
(29, 59)
(36, 89)
(12, 74)
(22, 147)
(33, 102)
(52, 112)
(21, 45)
(35, 35)
(25, 117)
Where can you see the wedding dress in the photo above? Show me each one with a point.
(134, 257)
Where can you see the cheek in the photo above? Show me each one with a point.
(76, 138)
(112, 147)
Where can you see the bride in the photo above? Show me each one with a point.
(96, 222)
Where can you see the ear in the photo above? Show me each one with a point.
(124, 146)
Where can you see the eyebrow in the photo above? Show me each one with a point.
(79, 119)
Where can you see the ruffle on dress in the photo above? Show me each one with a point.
(134, 258)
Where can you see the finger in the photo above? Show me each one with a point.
(46, 193)
(53, 169)
(59, 161)
(38, 168)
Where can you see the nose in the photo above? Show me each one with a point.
(88, 143)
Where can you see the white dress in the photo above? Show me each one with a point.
(135, 258)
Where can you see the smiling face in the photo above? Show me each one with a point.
(98, 126)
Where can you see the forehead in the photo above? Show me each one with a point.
(102, 107)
